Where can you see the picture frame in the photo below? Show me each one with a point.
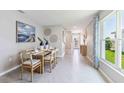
(24, 32)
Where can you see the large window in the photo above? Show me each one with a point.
(122, 39)
(122, 55)
(108, 38)
(112, 39)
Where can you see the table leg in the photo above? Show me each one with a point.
(42, 61)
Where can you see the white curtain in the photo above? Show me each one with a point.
(96, 42)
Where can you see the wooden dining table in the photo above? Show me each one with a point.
(40, 55)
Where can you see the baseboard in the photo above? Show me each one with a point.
(5, 72)
(106, 76)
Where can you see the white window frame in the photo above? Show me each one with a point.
(117, 47)
(120, 38)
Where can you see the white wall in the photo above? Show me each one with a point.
(56, 30)
(8, 47)
(89, 40)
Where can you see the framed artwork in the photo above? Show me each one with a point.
(24, 32)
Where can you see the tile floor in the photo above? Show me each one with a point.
(72, 68)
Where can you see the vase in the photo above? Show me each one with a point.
(41, 47)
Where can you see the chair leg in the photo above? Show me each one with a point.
(40, 68)
(56, 60)
(54, 63)
(21, 72)
(31, 74)
(50, 67)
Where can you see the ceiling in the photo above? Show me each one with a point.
(60, 17)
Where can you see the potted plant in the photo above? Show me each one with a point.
(46, 43)
(84, 47)
(84, 38)
(41, 43)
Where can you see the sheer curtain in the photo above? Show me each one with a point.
(96, 42)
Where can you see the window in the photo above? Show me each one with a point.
(122, 55)
(108, 38)
(122, 40)
(112, 39)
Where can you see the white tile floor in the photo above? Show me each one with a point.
(70, 69)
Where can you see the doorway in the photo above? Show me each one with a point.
(76, 40)
(68, 42)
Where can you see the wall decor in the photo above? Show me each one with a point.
(24, 32)
(47, 31)
(53, 38)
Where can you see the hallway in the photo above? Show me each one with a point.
(70, 69)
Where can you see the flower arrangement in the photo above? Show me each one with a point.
(41, 42)
(84, 38)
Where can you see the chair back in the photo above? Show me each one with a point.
(25, 56)
(31, 59)
(52, 55)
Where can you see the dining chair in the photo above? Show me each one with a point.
(27, 62)
(50, 60)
